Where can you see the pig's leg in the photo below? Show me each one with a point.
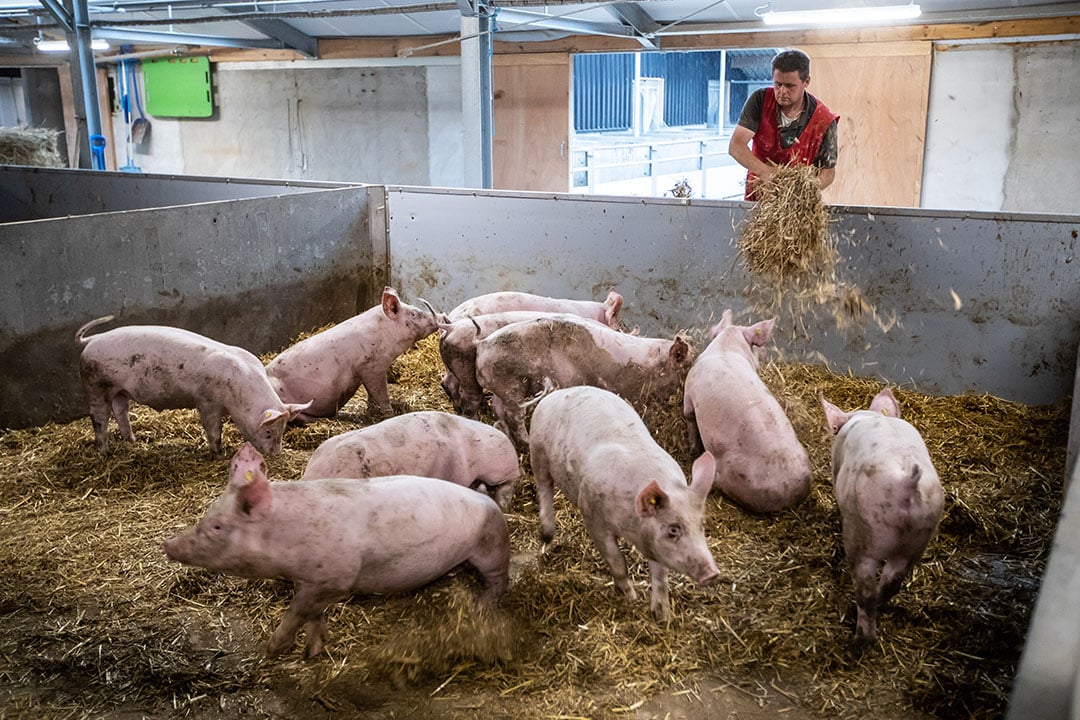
(892, 577)
(693, 436)
(545, 495)
(306, 609)
(658, 573)
(120, 406)
(377, 391)
(99, 418)
(211, 420)
(608, 545)
(866, 598)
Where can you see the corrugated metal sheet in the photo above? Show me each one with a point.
(604, 85)
(603, 92)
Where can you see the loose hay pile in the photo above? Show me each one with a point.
(95, 620)
(30, 146)
(787, 247)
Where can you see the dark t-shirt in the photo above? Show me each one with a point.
(751, 118)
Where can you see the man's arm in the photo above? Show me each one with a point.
(826, 177)
(739, 148)
(827, 156)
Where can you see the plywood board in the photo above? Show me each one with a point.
(881, 92)
(532, 122)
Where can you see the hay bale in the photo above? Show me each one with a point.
(30, 146)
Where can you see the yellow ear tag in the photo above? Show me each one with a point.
(249, 476)
(654, 501)
(268, 413)
(885, 412)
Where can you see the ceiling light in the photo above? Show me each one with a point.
(842, 15)
(62, 46)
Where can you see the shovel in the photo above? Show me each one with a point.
(140, 127)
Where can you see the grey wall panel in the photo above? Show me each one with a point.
(28, 193)
(1015, 334)
(253, 272)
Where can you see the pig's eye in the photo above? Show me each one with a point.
(674, 531)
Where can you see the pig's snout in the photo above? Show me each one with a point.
(174, 549)
(708, 577)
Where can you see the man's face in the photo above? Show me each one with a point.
(789, 88)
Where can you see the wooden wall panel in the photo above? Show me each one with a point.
(530, 147)
(881, 92)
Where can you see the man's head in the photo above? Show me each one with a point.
(791, 76)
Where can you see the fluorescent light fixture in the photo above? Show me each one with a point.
(842, 15)
(59, 46)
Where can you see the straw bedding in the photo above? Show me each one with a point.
(95, 621)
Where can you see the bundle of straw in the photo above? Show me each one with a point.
(29, 146)
(791, 255)
(786, 239)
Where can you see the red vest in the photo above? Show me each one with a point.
(766, 144)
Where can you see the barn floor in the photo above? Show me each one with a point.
(95, 622)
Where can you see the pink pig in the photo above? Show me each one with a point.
(335, 537)
(166, 367)
(517, 361)
(328, 367)
(593, 445)
(606, 312)
(457, 346)
(760, 463)
(428, 443)
(890, 500)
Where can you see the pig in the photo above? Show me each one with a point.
(457, 346)
(428, 443)
(515, 362)
(334, 537)
(728, 410)
(606, 312)
(890, 500)
(167, 367)
(328, 367)
(593, 445)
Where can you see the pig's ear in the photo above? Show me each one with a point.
(759, 333)
(702, 474)
(834, 416)
(650, 500)
(391, 303)
(886, 404)
(253, 496)
(680, 350)
(612, 307)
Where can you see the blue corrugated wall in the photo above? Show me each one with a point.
(603, 92)
(604, 85)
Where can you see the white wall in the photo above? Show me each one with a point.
(1000, 132)
(388, 121)
(1001, 128)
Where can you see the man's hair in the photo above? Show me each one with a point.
(792, 61)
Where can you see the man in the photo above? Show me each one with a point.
(786, 124)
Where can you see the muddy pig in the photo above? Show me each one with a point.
(457, 346)
(890, 500)
(760, 463)
(515, 362)
(166, 368)
(428, 443)
(336, 537)
(606, 312)
(328, 367)
(593, 445)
